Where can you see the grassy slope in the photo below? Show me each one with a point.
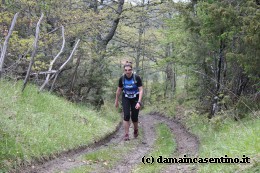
(36, 125)
(228, 137)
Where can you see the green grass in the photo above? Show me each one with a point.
(107, 157)
(225, 136)
(39, 125)
(164, 146)
(222, 137)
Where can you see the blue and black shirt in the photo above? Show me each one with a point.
(130, 85)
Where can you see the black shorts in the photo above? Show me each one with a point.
(129, 106)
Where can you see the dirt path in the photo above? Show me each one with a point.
(147, 123)
(186, 144)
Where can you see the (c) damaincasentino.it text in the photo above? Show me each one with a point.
(185, 159)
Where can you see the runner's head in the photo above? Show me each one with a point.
(128, 68)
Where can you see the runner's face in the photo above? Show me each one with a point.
(128, 71)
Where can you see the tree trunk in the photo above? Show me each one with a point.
(5, 45)
(64, 64)
(170, 73)
(96, 71)
(75, 74)
(54, 60)
(35, 46)
(139, 49)
(215, 105)
(242, 81)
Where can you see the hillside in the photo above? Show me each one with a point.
(38, 125)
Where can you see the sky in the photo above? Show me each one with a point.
(134, 1)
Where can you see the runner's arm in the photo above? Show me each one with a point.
(118, 92)
(140, 94)
(138, 105)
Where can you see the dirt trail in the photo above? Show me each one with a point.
(147, 123)
(186, 144)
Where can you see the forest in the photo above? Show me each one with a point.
(214, 44)
(201, 54)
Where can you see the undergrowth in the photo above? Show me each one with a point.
(222, 136)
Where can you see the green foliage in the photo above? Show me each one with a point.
(156, 94)
(246, 105)
(214, 29)
(5, 20)
(224, 136)
(80, 21)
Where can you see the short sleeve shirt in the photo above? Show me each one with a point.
(138, 81)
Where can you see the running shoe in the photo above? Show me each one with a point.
(126, 137)
(136, 133)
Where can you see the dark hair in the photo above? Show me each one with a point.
(128, 64)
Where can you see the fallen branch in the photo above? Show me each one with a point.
(45, 72)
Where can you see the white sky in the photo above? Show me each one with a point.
(136, 1)
(157, 0)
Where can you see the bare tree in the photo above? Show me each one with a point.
(53, 61)
(35, 45)
(5, 45)
(63, 65)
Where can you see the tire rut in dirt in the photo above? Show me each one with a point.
(187, 144)
(147, 123)
(72, 159)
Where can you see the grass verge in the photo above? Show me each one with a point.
(220, 137)
(39, 125)
(164, 146)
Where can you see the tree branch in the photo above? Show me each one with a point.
(45, 72)
(112, 30)
(35, 45)
(53, 61)
(4, 48)
(142, 5)
(63, 65)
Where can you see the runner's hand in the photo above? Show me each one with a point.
(116, 104)
(137, 106)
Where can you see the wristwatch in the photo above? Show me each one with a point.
(140, 103)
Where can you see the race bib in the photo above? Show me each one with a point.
(130, 95)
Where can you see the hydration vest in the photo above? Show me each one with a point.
(130, 87)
